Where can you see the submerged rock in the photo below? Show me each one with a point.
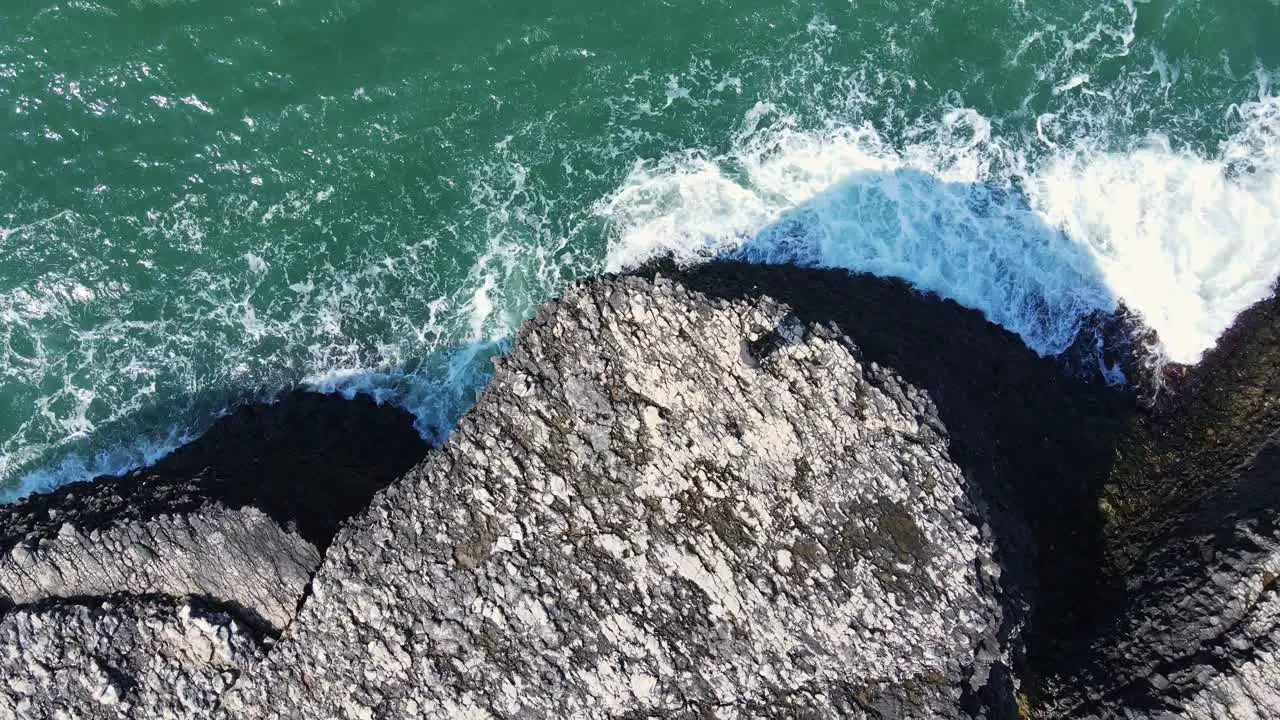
(131, 658)
(664, 504)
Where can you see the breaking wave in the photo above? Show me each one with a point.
(1186, 241)
(390, 239)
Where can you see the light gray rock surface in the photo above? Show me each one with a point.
(239, 517)
(1201, 635)
(136, 658)
(666, 504)
(94, 543)
(663, 505)
(1245, 682)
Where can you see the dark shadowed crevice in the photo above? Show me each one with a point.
(308, 460)
(231, 609)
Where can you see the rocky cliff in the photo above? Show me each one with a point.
(735, 491)
(664, 504)
(1195, 495)
(238, 518)
(1200, 633)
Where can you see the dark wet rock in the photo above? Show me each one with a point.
(665, 504)
(1207, 419)
(239, 517)
(137, 657)
(1201, 634)
(1117, 348)
(1196, 499)
(308, 460)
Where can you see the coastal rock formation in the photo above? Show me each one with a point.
(308, 460)
(239, 517)
(1208, 419)
(239, 557)
(726, 491)
(146, 595)
(132, 658)
(1195, 533)
(1039, 441)
(663, 504)
(1201, 635)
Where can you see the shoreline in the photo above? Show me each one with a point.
(1087, 491)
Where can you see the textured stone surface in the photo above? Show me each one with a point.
(1251, 689)
(239, 516)
(663, 504)
(1201, 633)
(138, 658)
(1208, 419)
(1039, 442)
(236, 556)
(678, 498)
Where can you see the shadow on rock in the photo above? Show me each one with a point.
(307, 460)
(1122, 514)
(1207, 419)
(1196, 499)
(240, 517)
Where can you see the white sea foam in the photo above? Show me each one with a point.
(1186, 241)
(1177, 237)
(953, 203)
(76, 467)
(381, 385)
(435, 394)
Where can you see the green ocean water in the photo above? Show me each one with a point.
(205, 202)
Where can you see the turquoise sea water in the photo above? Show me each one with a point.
(201, 202)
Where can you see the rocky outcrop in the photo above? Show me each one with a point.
(1195, 533)
(1038, 441)
(663, 504)
(236, 556)
(239, 517)
(308, 460)
(1248, 688)
(146, 595)
(1207, 420)
(136, 657)
(1201, 632)
(729, 491)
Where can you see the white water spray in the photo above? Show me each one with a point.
(1187, 242)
